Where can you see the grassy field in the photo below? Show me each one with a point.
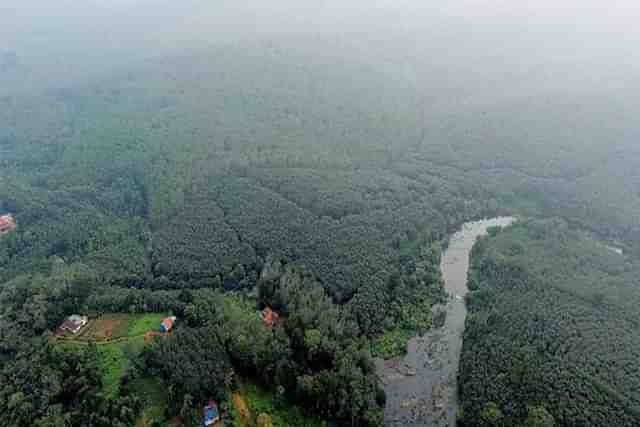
(260, 401)
(140, 324)
(113, 363)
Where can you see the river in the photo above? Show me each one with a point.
(421, 387)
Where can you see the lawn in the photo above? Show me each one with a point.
(114, 360)
(142, 323)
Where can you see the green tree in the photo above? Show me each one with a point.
(491, 415)
(538, 416)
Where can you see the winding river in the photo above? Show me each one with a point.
(421, 387)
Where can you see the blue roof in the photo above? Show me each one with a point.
(211, 414)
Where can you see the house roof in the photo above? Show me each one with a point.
(68, 324)
(269, 316)
(71, 324)
(211, 413)
(168, 322)
(74, 322)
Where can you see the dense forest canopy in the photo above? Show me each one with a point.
(553, 327)
(207, 161)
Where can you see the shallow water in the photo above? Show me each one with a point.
(421, 386)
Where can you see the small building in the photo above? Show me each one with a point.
(167, 324)
(211, 414)
(74, 323)
(7, 223)
(269, 317)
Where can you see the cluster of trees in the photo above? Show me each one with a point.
(224, 167)
(402, 300)
(46, 386)
(552, 330)
(41, 384)
(330, 370)
(315, 356)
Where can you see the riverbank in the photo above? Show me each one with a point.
(421, 386)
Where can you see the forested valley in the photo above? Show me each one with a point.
(320, 176)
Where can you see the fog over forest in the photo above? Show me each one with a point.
(570, 45)
(262, 211)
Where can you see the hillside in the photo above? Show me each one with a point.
(553, 330)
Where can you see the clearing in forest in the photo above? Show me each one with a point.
(251, 401)
(105, 328)
(115, 327)
(118, 337)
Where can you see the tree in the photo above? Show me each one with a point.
(538, 416)
(491, 415)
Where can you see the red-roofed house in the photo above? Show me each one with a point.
(269, 316)
(167, 324)
(7, 223)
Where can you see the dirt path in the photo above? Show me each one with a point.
(421, 387)
(102, 342)
(149, 335)
(147, 339)
(240, 406)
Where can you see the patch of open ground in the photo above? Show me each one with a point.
(148, 336)
(105, 327)
(243, 414)
(251, 402)
(118, 338)
(114, 327)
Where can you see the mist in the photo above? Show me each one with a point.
(583, 46)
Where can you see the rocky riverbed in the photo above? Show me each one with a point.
(421, 386)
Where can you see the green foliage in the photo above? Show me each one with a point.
(139, 324)
(391, 343)
(112, 362)
(538, 416)
(115, 355)
(145, 190)
(552, 330)
(47, 386)
(402, 309)
(190, 362)
(153, 398)
(329, 368)
(491, 415)
(261, 401)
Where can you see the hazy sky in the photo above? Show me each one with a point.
(67, 39)
(208, 19)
